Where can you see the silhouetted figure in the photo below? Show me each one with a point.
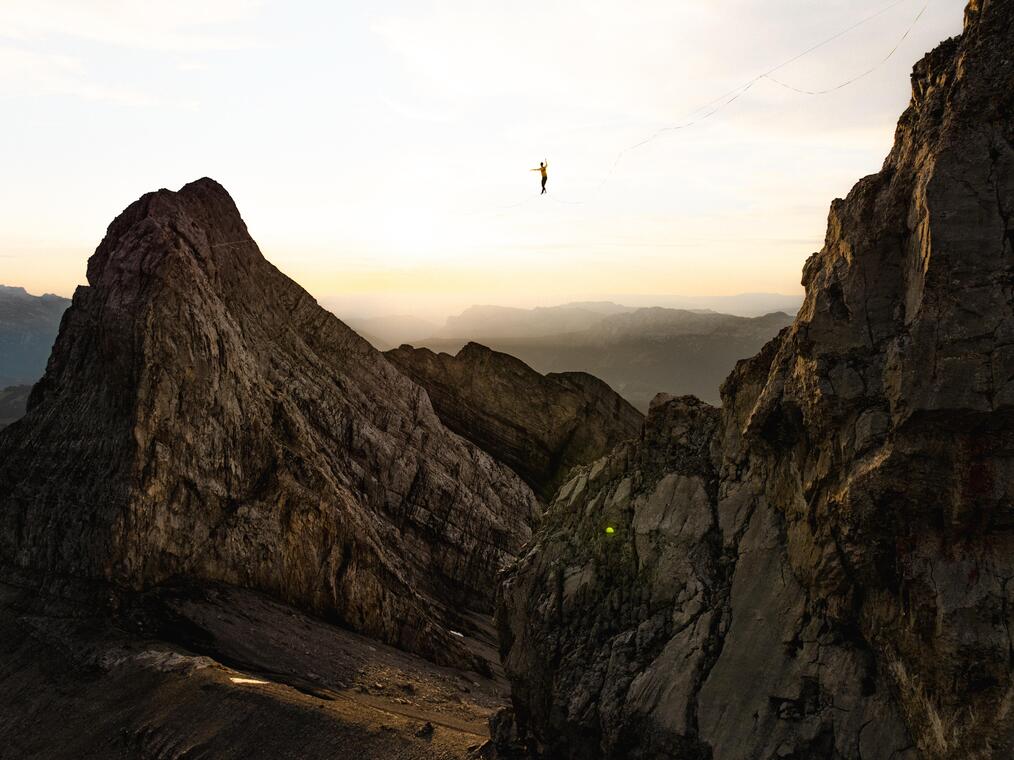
(542, 168)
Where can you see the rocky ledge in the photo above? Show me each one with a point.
(539, 425)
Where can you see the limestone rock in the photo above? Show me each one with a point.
(539, 425)
(821, 568)
(202, 417)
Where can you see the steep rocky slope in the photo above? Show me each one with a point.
(202, 417)
(823, 567)
(539, 425)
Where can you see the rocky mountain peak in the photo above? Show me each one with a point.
(203, 418)
(199, 226)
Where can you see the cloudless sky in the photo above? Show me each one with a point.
(380, 152)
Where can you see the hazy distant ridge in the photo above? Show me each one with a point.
(639, 352)
(485, 322)
(28, 327)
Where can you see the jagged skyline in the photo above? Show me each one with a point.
(374, 150)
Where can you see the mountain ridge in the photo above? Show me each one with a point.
(539, 425)
(219, 425)
(646, 351)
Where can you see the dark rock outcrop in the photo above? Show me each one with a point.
(202, 417)
(822, 568)
(13, 401)
(539, 425)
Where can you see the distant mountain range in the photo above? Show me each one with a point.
(739, 305)
(28, 327)
(639, 352)
(507, 322)
(485, 322)
(390, 331)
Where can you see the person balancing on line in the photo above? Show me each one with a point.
(542, 168)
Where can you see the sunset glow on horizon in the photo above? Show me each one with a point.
(380, 154)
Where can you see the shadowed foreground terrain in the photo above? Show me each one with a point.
(224, 673)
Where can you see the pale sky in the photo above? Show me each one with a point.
(380, 152)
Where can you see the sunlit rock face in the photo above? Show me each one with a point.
(540, 425)
(202, 417)
(823, 567)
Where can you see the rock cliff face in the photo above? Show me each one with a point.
(202, 417)
(823, 567)
(539, 425)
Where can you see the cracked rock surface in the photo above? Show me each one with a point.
(539, 425)
(202, 417)
(821, 568)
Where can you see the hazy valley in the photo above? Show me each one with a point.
(639, 352)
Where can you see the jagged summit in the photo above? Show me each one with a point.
(539, 425)
(199, 220)
(203, 418)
